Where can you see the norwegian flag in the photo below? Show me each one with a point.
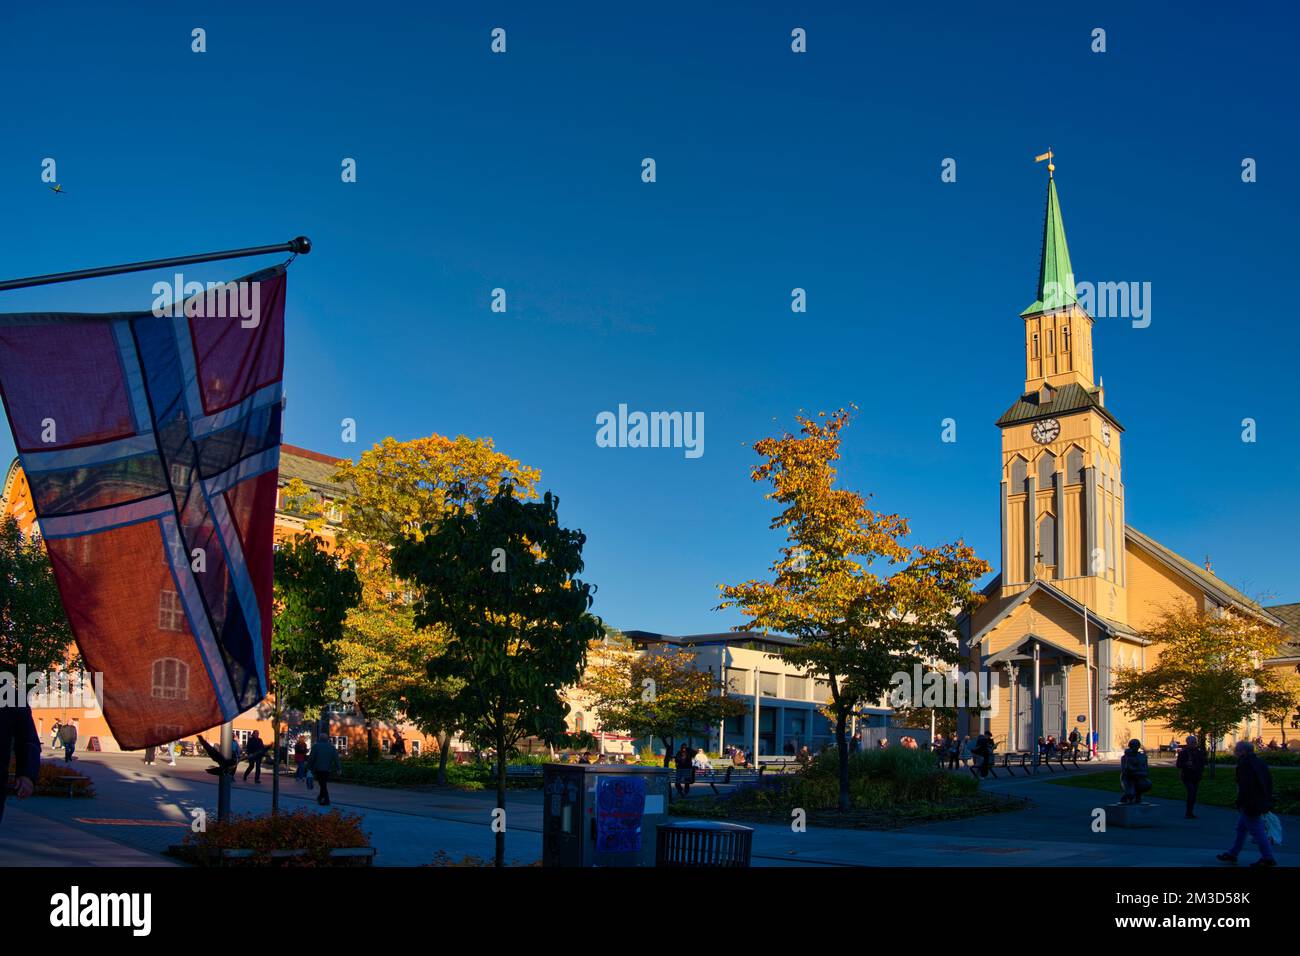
(151, 444)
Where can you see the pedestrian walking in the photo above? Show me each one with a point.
(1254, 799)
(255, 752)
(68, 738)
(1191, 767)
(300, 758)
(323, 763)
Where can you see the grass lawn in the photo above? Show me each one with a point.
(1217, 791)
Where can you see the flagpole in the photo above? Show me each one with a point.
(299, 246)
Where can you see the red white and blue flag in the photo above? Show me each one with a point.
(151, 445)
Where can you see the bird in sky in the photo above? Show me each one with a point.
(57, 187)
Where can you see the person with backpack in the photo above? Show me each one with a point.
(68, 738)
(1254, 800)
(1191, 767)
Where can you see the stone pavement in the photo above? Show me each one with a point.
(143, 809)
(28, 839)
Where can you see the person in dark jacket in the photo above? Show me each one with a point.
(1134, 772)
(18, 737)
(324, 763)
(983, 752)
(254, 753)
(1254, 799)
(1191, 767)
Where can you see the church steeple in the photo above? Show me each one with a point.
(1058, 332)
(1055, 274)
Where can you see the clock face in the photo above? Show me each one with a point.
(1105, 435)
(1046, 430)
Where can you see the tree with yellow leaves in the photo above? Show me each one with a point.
(396, 488)
(856, 625)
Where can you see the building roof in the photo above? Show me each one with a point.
(1216, 587)
(311, 467)
(1065, 400)
(1289, 615)
(723, 637)
(1055, 275)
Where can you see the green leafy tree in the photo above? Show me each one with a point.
(854, 625)
(34, 631)
(398, 487)
(1209, 677)
(501, 576)
(314, 591)
(660, 694)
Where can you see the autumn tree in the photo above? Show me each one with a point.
(659, 694)
(1280, 701)
(314, 590)
(397, 488)
(34, 631)
(1209, 677)
(500, 575)
(862, 603)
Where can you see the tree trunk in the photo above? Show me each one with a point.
(444, 751)
(842, 744)
(668, 750)
(501, 800)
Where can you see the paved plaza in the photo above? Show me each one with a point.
(140, 810)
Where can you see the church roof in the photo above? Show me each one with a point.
(1289, 615)
(1210, 582)
(1055, 275)
(1066, 399)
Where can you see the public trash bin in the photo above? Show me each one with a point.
(703, 843)
(601, 814)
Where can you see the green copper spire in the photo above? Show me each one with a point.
(1055, 276)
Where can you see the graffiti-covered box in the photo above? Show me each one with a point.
(601, 814)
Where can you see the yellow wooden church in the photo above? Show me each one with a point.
(1078, 584)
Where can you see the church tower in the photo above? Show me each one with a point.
(1062, 492)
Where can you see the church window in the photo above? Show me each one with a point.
(1046, 469)
(1051, 342)
(1034, 354)
(1065, 338)
(1017, 475)
(1074, 467)
(1047, 540)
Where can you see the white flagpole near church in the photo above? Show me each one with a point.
(1087, 677)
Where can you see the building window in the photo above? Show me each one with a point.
(796, 687)
(171, 615)
(1018, 471)
(1034, 351)
(1051, 342)
(1074, 467)
(769, 684)
(1046, 469)
(171, 679)
(1047, 540)
(1065, 338)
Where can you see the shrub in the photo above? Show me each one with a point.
(303, 829)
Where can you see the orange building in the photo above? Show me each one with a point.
(315, 471)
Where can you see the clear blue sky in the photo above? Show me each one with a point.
(774, 170)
